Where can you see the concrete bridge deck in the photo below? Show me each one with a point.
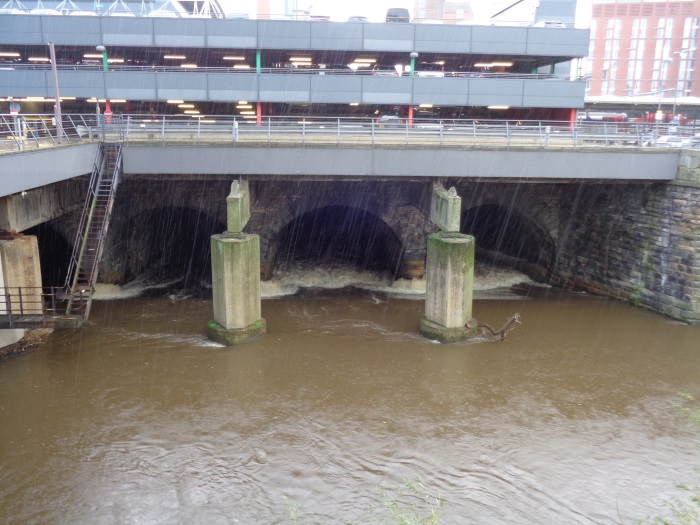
(331, 148)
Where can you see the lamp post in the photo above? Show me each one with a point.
(105, 68)
(57, 97)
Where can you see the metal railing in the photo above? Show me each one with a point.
(33, 307)
(391, 133)
(283, 70)
(28, 132)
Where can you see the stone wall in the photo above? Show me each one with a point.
(639, 243)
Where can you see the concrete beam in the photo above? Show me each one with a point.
(33, 169)
(652, 165)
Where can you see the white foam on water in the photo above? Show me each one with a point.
(289, 281)
(107, 292)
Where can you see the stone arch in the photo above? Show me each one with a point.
(338, 234)
(171, 241)
(276, 204)
(507, 235)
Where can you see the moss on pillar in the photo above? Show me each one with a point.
(235, 336)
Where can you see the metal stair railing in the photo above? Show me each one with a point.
(92, 230)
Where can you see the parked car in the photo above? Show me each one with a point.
(358, 19)
(674, 141)
(398, 14)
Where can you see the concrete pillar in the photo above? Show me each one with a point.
(20, 282)
(449, 273)
(235, 266)
(20, 275)
(449, 288)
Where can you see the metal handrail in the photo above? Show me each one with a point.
(287, 71)
(39, 131)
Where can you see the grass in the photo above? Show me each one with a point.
(685, 511)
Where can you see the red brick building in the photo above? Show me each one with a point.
(644, 51)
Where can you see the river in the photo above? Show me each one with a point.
(138, 418)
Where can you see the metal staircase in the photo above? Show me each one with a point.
(92, 230)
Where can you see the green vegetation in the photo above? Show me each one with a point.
(414, 504)
(683, 511)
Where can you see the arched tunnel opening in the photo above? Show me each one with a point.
(506, 238)
(164, 244)
(340, 236)
(54, 253)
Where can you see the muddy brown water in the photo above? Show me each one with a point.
(137, 418)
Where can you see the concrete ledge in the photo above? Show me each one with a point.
(235, 336)
(442, 334)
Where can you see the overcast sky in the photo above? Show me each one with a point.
(340, 10)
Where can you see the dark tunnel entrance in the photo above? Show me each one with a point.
(340, 236)
(166, 244)
(54, 253)
(504, 237)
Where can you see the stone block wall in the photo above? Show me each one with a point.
(636, 242)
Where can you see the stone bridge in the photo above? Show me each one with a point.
(620, 223)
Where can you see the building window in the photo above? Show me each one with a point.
(611, 56)
(661, 53)
(635, 65)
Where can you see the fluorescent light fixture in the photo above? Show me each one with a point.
(242, 101)
(38, 59)
(370, 60)
(93, 100)
(362, 64)
(176, 101)
(300, 59)
(241, 66)
(103, 100)
(425, 105)
(493, 64)
(354, 103)
(439, 63)
(118, 100)
(247, 112)
(234, 58)
(67, 98)
(191, 112)
(92, 55)
(35, 99)
(189, 66)
(208, 121)
(175, 57)
(115, 60)
(249, 116)
(244, 106)
(11, 54)
(497, 107)
(185, 106)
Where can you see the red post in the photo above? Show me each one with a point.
(258, 112)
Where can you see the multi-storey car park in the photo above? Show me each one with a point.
(197, 64)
